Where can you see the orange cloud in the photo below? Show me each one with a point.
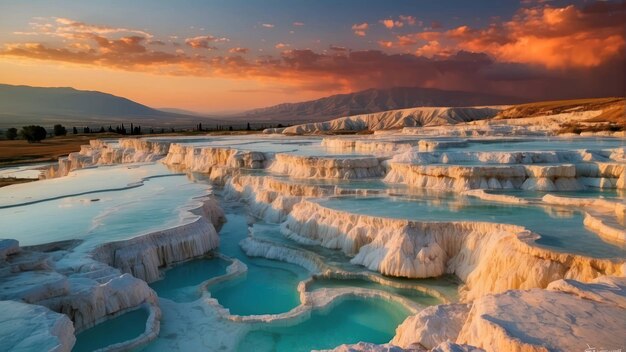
(410, 20)
(359, 29)
(385, 44)
(203, 41)
(439, 60)
(238, 50)
(553, 37)
(414, 38)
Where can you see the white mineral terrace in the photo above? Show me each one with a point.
(422, 239)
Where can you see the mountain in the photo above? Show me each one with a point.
(21, 105)
(373, 100)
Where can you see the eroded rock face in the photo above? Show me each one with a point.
(100, 152)
(487, 257)
(567, 316)
(298, 166)
(28, 327)
(432, 326)
(395, 119)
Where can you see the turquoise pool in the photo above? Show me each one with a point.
(350, 321)
(269, 287)
(119, 329)
(181, 282)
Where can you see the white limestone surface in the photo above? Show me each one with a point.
(28, 327)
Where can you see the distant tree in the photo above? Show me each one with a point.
(59, 130)
(280, 125)
(132, 128)
(11, 133)
(74, 130)
(248, 127)
(230, 128)
(33, 133)
(111, 129)
(86, 130)
(102, 129)
(200, 127)
(173, 130)
(162, 130)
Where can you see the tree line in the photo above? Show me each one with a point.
(35, 133)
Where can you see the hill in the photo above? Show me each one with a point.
(21, 105)
(371, 101)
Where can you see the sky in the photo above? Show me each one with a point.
(232, 55)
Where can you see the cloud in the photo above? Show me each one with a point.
(463, 58)
(267, 25)
(156, 42)
(552, 37)
(203, 41)
(541, 35)
(238, 50)
(402, 20)
(337, 48)
(298, 24)
(281, 46)
(385, 44)
(360, 29)
(415, 38)
(409, 20)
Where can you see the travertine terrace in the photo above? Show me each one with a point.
(462, 238)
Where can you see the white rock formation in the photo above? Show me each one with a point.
(567, 316)
(143, 256)
(463, 177)
(27, 327)
(432, 326)
(487, 257)
(395, 119)
(269, 198)
(101, 152)
(371, 146)
(604, 217)
(298, 166)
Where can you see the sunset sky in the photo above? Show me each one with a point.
(231, 55)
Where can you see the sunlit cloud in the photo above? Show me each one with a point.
(298, 24)
(360, 29)
(543, 35)
(538, 51)
(267, 25)
(389, 23)
(238, 50)
(204, 41)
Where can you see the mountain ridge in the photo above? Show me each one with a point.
(22, 104)
(374, 100)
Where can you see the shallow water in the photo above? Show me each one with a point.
(543, 144)
(119, 329)
(104, 216)
(350, 321)
(561, 229)
(412, 294)
(269, 287)
(181, 282)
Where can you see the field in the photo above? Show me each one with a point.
(20, 151)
